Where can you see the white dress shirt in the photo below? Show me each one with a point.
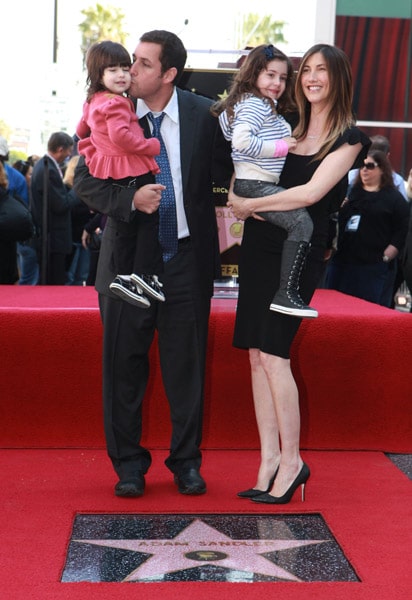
(171, 136)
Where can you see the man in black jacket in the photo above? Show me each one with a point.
(193, 141)
(52, 209)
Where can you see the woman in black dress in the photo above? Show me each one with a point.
(373, 223)
(315, 175)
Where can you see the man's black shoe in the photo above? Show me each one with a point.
(129, 488)
(190, 482)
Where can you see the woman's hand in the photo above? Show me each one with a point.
(239, 206)
(147, 198)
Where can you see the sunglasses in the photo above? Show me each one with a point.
(370, 166)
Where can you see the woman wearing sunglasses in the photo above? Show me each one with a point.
(372, 227)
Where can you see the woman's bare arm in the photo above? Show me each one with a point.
(330, 171)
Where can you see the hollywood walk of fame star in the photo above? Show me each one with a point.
(200, 544)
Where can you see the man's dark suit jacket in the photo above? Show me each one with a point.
(205, 158)
(59, 203)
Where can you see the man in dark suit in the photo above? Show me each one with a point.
(191, 137)
(54, 219)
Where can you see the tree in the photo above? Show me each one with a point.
(5, 130)
(101, 23)
(257, 29)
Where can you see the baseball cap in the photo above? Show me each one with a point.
(4, 147)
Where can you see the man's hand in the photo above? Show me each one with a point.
(147, 198)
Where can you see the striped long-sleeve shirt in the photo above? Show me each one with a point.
(253, 133)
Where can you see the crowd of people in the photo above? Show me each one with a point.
(284, 143)
(62, 258)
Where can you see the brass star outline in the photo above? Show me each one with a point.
(199, 544)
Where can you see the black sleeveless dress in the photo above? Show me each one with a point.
(256, 325)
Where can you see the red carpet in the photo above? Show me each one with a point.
(352, 365)
(365, 500)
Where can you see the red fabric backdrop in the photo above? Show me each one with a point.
(380, 54)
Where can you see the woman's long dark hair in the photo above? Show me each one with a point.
(341, 95)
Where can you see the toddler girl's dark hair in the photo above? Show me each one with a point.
(99, 57)
(244, 81)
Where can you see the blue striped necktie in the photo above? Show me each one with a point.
(167, 208)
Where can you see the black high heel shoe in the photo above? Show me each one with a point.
(253, 492)
(301, 479)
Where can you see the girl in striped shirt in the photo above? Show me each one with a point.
(260, 139)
